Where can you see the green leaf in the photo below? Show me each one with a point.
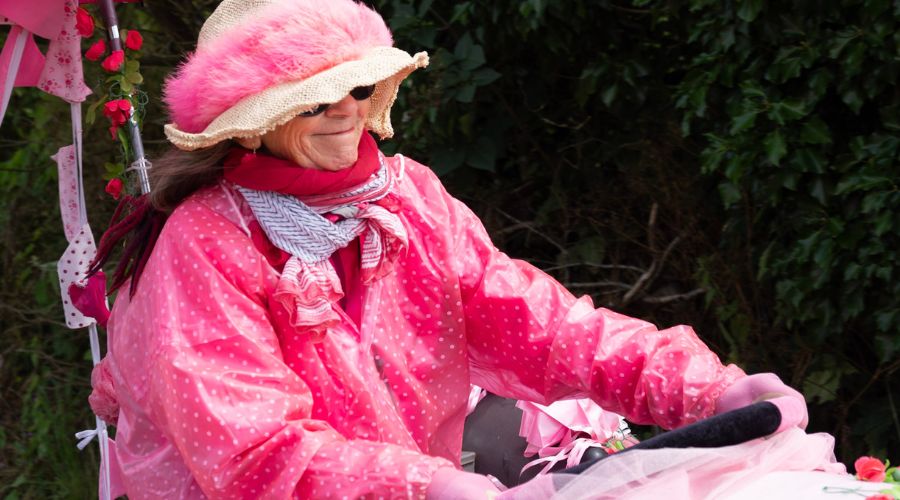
(808, 160)
(729, 193)
(466, 93)
(743, 122)
(817, 190)
(749, 10)
(609, 94)
(132, 66)
(485, 76)
(483, 155)
(841, 40)
(785, 111)
(886, 347)
(853, 100)
(91, 114)
(822, 386)
(775, 147)
(135, 78)
(815, 131)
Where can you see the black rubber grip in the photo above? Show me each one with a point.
(730, 428)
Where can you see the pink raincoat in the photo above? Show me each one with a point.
(220, 397)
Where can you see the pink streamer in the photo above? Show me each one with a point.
(116, 487)
(72, 269)
(68, 190)
(29, 70)
(63, 75)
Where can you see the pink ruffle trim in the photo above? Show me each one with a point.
(103, 399)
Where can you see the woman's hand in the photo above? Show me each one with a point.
(766, 387)
(452, 483)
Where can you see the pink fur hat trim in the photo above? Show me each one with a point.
(289, 40)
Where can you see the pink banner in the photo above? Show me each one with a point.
(41, 17)
(68, 190)
(62, 75)
(72, 269)
(32, 61)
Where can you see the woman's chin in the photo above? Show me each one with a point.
(338, 162)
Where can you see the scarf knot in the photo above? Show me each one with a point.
(311, 228)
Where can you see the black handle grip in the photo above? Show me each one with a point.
(730, 428)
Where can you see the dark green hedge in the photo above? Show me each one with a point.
(765, 133)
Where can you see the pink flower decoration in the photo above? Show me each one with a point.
(96, 50)
(90, 300)
(84, 23)
(869, 469)
(114, 61)
(114, 188)
(134, 40)
(880, 496)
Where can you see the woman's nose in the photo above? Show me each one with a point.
(345, 107)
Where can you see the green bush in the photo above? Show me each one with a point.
(765, 133)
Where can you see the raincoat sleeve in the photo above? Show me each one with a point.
(221, 392)
(529, 338)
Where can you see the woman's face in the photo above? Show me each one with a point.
(327, 141)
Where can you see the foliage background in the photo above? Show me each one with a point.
(729, 164)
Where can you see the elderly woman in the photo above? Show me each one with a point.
(312, 314)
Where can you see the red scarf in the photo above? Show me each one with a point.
(264, 172)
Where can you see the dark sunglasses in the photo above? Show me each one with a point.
(359, 93)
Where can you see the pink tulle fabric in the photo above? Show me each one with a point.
(706, 473)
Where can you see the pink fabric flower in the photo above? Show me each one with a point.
(103, 398)
(114, 61)
(90, 299)
(96, 50)
(869, 469)
(134, 40)
(84, 23)
(114, 187)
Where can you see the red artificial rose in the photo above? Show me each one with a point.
(96, 50)
(114, 187)
(880, 496)
(117, 111)
(114, 61)
(84, 23)
(869, 469)
(134, 40)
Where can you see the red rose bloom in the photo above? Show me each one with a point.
(114, 187)
(879, 496)
(117, 111)
(869, 469)
(96, 50)
(114, 61)
(84, 23)
(134, 40)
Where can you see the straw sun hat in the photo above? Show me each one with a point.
(259, 63)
